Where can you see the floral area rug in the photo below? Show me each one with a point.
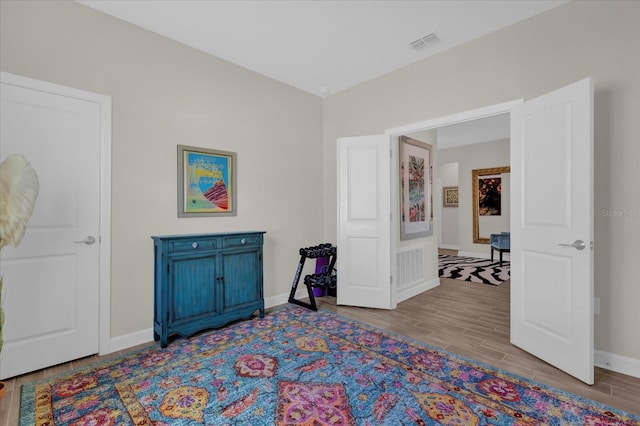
(472, 269)
(299, 367)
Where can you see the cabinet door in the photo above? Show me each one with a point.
(242, 277)
(192, 290)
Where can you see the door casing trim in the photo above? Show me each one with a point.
(395, 132)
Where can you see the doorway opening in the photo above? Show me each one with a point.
(466, 128)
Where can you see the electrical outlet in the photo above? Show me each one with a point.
(596, 306)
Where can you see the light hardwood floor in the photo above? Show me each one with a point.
(465, 318)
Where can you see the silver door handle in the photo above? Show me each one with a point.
(89, 240)
(578, 244)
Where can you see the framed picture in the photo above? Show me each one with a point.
(490, 196)
(488, 202)
(449, 196)
(206, 182)
(416, 216)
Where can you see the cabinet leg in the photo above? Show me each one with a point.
(164, 340)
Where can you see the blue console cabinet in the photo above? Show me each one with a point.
(205, 281)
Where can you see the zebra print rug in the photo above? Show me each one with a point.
(473, 269)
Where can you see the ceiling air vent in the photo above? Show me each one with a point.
(425, 41)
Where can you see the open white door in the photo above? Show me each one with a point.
(52, 288)
(364, 222)
(552, 228)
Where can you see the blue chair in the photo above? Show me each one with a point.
(500, 242)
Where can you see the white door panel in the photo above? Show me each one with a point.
(51, 283)
(364, 223)
(552, 207)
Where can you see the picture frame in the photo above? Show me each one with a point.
(416, 182)
(490, 196)
(206, 182)
(450, 196)
(483, 180)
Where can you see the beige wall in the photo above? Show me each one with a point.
(471, 157)
(600, 39)
(165, 94)
(449, 218)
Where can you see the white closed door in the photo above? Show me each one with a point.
(364, 222)
(552, 228)
(51, 280)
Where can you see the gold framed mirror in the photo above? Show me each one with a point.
(486, 189)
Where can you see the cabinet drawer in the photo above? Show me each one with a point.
(191, 245)
(241, 240)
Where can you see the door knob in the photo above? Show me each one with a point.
(88, 241)
(578, 244)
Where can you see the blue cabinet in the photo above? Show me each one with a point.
(205, 281)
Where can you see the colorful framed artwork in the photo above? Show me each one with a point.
(449, 196)
(206, 182)
(416, 216)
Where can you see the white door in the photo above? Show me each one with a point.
(364, 222)
(51, 280)
(552, 228)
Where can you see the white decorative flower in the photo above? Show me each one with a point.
(19, 187)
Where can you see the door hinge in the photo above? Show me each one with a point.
(391, 279)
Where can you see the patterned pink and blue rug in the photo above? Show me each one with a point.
(299, 367)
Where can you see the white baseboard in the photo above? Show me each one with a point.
(145, 336)
(481, 255)
(449, 247)
(129, 340)
(404, 294)
(282, 299)
(617, 363)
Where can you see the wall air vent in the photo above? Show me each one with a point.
(410, 263)
(425, 41)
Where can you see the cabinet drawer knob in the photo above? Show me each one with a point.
(242, 241)
(194, 244)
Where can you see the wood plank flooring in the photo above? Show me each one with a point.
(465, 318)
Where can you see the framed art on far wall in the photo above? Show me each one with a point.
(488, 203)
(416, 210)
(449, 196)
(206, 182)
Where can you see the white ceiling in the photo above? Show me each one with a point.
(481, 130)
(321, 47)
